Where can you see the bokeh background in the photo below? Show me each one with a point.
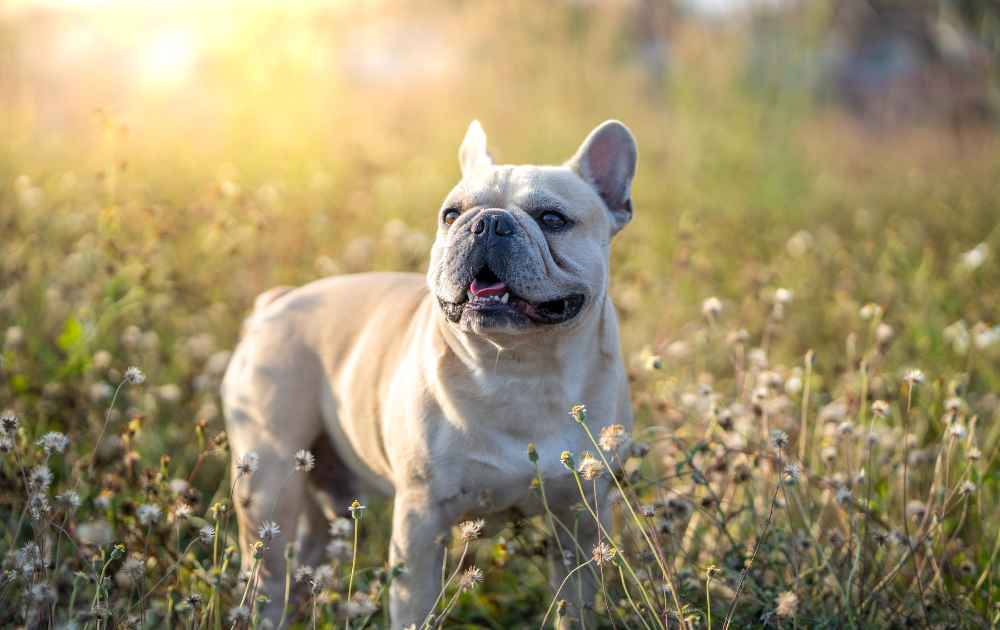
(162, 163)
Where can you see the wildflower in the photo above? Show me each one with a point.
(9, 423)
(470, 530)
(357, 510)
(182, 511)
(870, 311)
(304, 461)
(268, 531)
(40, 478)
(953, 405)
(239, 614)
(304, 573)
(647, 510)
(880, 408)
(53, 441)
(360, 605)
(913, 377)
(28, 559)
(194, 600)
(612, 437)
(532, 452)
(6, 444)
(603, 553)
(973, 454)
(828, 454)
(884, 333)
(967, 488)
(788, 605)
(779, 439)
(133, 569)
(678, 507)
(590, 467)
(957, 431)
(783, 296)
(134, 376)
(792, 473)
(579, 413)
(471, 577)
(338, 549)
(247, 464)
(148, 513)
(711, 307)
(70, 498)
(975, 257)
(341, 527)
(567, 459)
(206, 534)
(845, 428)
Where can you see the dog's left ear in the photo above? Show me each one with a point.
(472, 155)
(606, 160)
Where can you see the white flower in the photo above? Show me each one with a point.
(880, 408)
(590, 467)
(70, 498)
(269, 531)
(9, 423)
(843, 495)
(975, 257)
(338, 549)
(603, 553)
(134, 376)
(792, 473)
(957, 430)
(40, 478)
(612, 437)
(206, 534)
(247, 464)
(357, 510)
(148, 513)
(304, 461)
(913, 376)
(53, 441)
(470, 530)
(38, 505)
(779, 439)
(239, 614)
(469, 579)
(783, 296)
(711, 307)
(341, 527)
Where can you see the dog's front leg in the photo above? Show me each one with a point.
(418, 526)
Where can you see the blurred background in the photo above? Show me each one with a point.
(164, 162)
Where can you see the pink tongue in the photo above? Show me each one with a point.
(483, 290)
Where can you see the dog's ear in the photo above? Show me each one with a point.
(606, 160)
(472, 155)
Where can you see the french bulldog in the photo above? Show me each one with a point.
(430, 388)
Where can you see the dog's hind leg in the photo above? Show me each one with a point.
(269, 412)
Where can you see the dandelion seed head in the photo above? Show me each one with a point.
(134, 376)
(779, 439)
(53, 441)
(612, 437)
(470, 530)
(470, 578)
(590, 467)
(711, 307)
(40, 478)
(792, 473)
(149, 513)
(603, 553)
(787, 605)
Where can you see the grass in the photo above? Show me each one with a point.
(785, 470)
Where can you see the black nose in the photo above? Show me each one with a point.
(493, 221)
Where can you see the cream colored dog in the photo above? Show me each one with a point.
(430, 388)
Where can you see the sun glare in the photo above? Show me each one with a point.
(169, 58)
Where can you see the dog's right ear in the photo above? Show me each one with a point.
(606, 160)
(473, 156)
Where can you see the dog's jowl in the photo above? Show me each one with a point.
(430, 389)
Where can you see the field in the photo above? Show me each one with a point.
(808, 303)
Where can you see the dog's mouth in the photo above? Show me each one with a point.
(488, 295)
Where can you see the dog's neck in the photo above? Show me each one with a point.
(593, 335)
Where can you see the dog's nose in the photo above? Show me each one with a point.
(493, 221)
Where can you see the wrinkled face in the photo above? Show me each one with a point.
(521, 249)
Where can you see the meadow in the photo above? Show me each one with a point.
(808, 310)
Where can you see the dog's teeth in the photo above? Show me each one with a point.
(505, 298)
(469, 295)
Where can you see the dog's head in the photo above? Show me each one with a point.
(524, 249)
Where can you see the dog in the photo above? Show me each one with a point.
(430, 388)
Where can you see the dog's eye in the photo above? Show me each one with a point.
(450, 216)
(553, 220)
